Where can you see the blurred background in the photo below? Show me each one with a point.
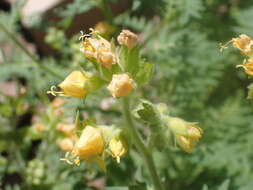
(198, 82)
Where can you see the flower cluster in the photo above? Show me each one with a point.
(94, 144)
(245, 44)
(111, 64)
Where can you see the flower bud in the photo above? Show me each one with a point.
(118, 148)
(127, 38)
(39, 127)
(120, 85)
(248, 67)
(57, 102)
(67, 128)
(74, 85)
(194, 132)
(185, 144)
(243, 43)
(186, 133)
(66, 144)
(90, 143)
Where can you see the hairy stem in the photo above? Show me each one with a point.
(147, 156)
(29, 54)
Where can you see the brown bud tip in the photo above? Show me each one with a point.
(127, 38)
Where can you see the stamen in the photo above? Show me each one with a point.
(53, 92)
(118, 159)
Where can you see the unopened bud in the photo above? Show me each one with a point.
(66, 144)
(120, 85)
(39, 127)
(243, 43)
(128, 38)
(90, 143)
(74, 85)
(117, 148)
(67, 128)
(105, 57)
(57, 102)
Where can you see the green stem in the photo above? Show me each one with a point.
(25, 50)
(147, 156)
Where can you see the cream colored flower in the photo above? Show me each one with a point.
(127, 38)
(66, 144)
(243, 43)
(120, 85)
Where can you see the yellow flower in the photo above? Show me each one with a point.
(120, 85)
(243, 43)
(185, 144)
(90, 46)
(74, 85)
(127, 38)
(187, 133)
(99, 49)
(117, 148)
(90, 143)
(248, 67)
(194, 133)
(66, 144)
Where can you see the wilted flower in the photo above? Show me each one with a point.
(66, 144)
(117, 148)
(248, 67)
(100, 49)
(120, 85)
(243, 43)
(74, 85)
(90, 143)
(127, 38)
